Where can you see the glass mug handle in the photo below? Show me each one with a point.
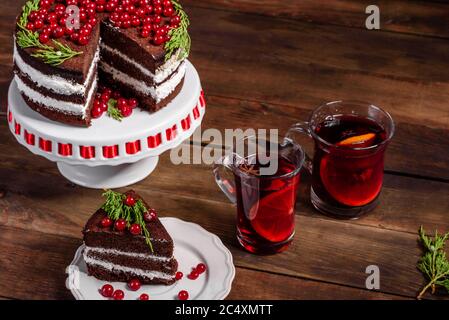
(302, 127)
(226, 185)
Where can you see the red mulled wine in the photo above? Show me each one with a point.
(266, 206)
(348, 167)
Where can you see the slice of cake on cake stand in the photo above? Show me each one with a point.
(138, 48)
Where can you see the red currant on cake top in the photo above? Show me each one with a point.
(149, 215)
(107, 290)
(120, 224)
(134, 284)
(144, 296)
(118, 295)
(106, 222)
(130, 201)
(183, 295)
(135, 229)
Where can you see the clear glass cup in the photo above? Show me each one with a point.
(350, 140)
(262, 178)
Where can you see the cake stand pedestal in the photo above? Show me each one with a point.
(110, 154)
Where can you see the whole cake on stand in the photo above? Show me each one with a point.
(100, 85)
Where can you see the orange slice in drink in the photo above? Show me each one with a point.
(360, 141)
(273, 217)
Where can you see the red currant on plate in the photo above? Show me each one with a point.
(144, 296)
(107, 290)
(106, 222)
(135, 229)
(201, 268)
(183, 295)
(134, 284)
(179, 275)
(193, 275)
(118, 295)
(126, 111)
(120, 224)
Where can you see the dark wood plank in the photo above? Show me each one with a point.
(26, 262)
(415, 17)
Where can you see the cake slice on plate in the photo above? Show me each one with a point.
(125, 240)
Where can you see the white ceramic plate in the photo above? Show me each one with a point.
(193, 245)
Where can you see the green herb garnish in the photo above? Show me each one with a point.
(113, 111)
(53, 55)
(434, 264)
(116, 209)
(179, 37)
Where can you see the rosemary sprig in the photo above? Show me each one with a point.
(434, 264)
(113, 111)
(116, 209)
(179, 37)
(53, 55)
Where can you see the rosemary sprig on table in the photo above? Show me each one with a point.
(179, 37)
(113, 111)
(434, 263)
(116, 209)
(53, 55)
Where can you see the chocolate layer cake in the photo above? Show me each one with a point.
(138, 47)
(121, 255)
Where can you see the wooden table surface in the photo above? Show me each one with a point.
(267, 64)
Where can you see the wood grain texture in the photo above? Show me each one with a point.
(415, 17)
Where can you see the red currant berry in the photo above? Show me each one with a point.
(129, 201)
(116, 95)
(114, 17)
(157, 9)
(120, 224)
(133, 103)
(193, 275)
(44, 38)
(69, 31)
(175, 21)
(104, 106)
(45, 3)
(134, 284)
(83, 40)
(122, 103)
(58, 32)
(33, 16)
(107, 290)
(145, 33)
(52, 17)
(74, 37)
(157, 19)
(135, 22)
(96, 112)
(140, 12)
(38, 24)
(100, 8)
(168, 11)
(167, 3)
(118, 295)
(126, 24)
(159, 39)
(106, 222)
(150, 215)
(30, 26)
(183, 295)
(144, 296)
(105, 96)
(201, 268)
(135, 229)
(126, 111)
(179, 275)
(85, 32)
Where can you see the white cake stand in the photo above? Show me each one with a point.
(110, 154)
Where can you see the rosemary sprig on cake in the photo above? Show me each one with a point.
(53, 55)
(434, 264)
(124, 208)
(179, 37)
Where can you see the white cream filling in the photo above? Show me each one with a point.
(125, 253)
(157, 92)
(162, 73)
(65, 106)
(56, 83)
(137, 272)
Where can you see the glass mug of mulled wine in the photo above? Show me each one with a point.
(262, 177)
(350, 139)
